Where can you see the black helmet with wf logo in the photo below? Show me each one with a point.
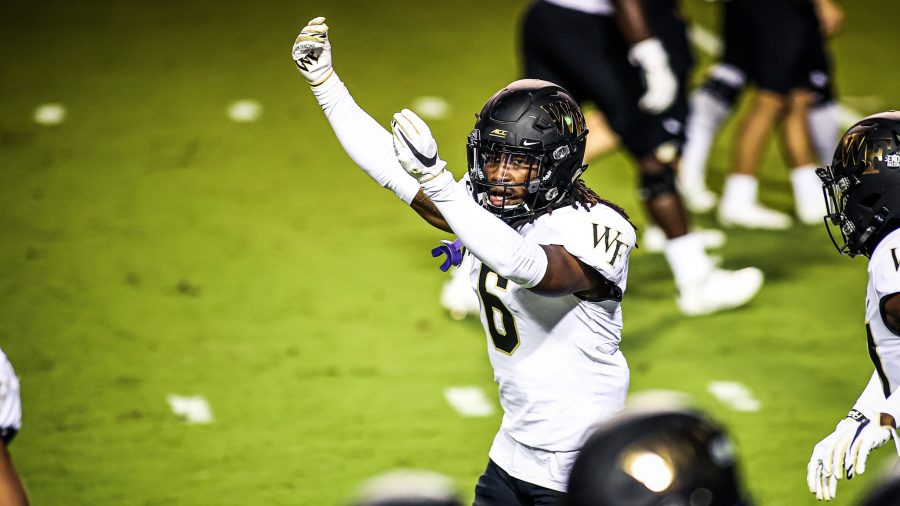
(862, 184)
(534, 125)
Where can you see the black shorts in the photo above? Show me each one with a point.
(497, 488)
(588, 56)
(778, 44)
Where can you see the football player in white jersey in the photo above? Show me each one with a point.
(862, 188)
(12, 492)
(549, 260)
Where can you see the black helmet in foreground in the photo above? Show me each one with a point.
(531, 124)
(670, 457)
(862, 184)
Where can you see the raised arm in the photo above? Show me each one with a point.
(367, 143)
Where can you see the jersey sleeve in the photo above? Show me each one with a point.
(10, 405)
(599, 237)
(884, 267)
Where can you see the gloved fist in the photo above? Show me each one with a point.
(312, 52)
(826, 466)
(415, 148)
(661, 84)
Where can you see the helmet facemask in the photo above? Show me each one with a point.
(512, 182)
(835, 191)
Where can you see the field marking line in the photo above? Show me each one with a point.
(469, 401)
(735, 395)
(193, 409)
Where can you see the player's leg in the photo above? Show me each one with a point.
(496, 487)
(740, 204)
(820, 123)
(601, 139)
(808, 203)
(710, 106)
(823, 121)
(778, 36)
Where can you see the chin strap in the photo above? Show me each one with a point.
(875, 226)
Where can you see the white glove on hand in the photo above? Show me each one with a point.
(312, 52)
(660, 81)
(415, 148)
(870, 437)
(826, 466)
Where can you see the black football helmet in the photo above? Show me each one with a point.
(885, 493)
(862, 184)
(671, 457)
(535, 123)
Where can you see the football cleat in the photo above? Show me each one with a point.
(696, 196)
(654, 239)
(720, 290)
(754, 216)
(810, 212)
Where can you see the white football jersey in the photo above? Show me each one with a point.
(10, 405)
(884, 280)
(556, 359)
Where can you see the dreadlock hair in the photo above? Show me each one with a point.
(580, 195)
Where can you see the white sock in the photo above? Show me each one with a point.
(687, 259)
(824, 130)
(706, 117)
(739, 191)
(807, 185)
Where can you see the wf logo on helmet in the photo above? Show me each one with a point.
(566, 118)
(861, 151)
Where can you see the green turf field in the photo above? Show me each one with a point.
(150, 246)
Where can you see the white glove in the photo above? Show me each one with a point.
(661, 84)
(415, 148)
(826, 466)
(312, 52)
(870, 437)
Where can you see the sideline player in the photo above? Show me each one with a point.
(629, 63)
(714, 101)
(12, 493)
(549, 260)
(862, 188)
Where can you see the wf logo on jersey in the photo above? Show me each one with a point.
(566, 118)
(610, 240)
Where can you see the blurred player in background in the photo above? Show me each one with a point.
(12, 493)
(863, 197)
(714, 101)
(634, 66)
(777, 45)
(657, 456)
(549, 260)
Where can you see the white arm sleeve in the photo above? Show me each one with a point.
(367, 143)
(493, 242)
(871, 400)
